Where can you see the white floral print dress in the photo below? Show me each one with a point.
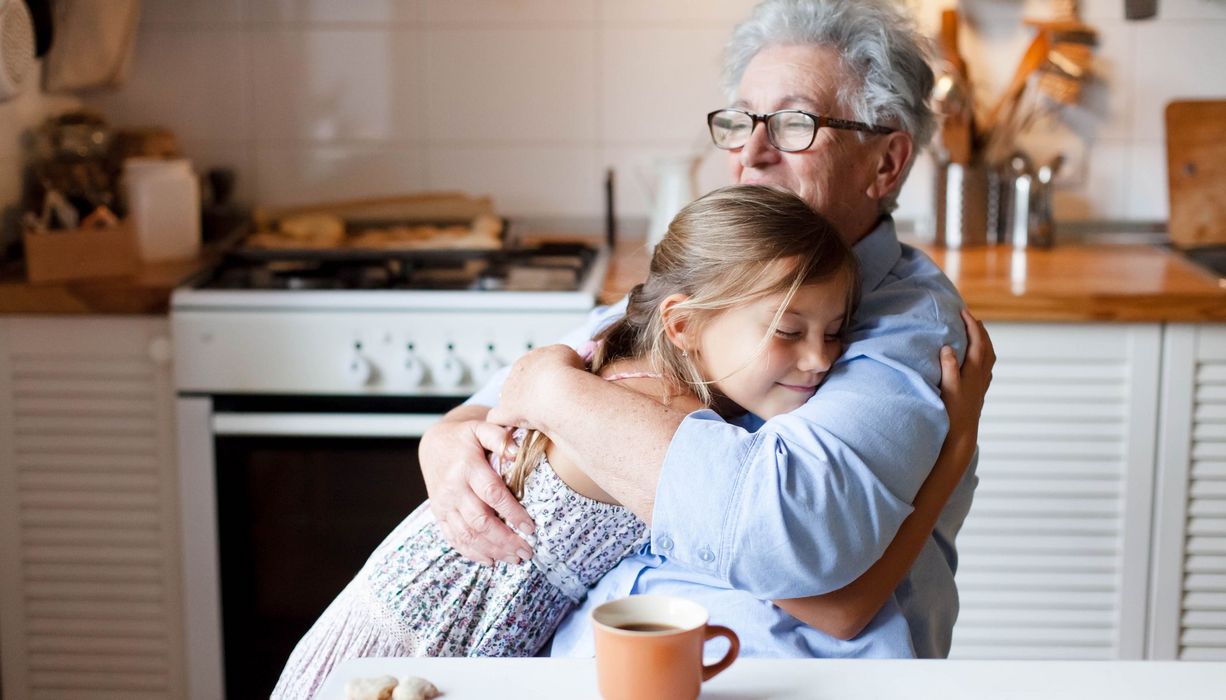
(416, 596)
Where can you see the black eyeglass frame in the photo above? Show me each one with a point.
(819, 121)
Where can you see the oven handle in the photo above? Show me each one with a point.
(358, 425)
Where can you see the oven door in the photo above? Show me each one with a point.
(302, 490)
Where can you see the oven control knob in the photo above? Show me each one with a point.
(359, 370)
(490, 363)
(451, 371)
(414, 371)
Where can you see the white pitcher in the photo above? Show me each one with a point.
(676, 185)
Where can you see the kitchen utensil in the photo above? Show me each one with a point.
(1196, 172)
(93, 45)
(957, 128)
(44, 30)
(1140, 9)
(1042, 222)
(961, 205)
(1022, 197)
(675, 185)
(1032, 60)
(16, 47)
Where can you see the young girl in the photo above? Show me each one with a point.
(744, 309)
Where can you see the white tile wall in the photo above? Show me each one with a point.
(659, 84)
(509, 12)
(1174, 60)
(724, 13)
(528, 100)
(157, 13)
(195, 82)
(380, 13)
(312, 173)
(302, 92)
(511, 85)
(558, 180)
(1147, 184)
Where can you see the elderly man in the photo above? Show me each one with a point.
(829, 101)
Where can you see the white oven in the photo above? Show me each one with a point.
(300, 414)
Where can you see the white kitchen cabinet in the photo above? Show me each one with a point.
(89, 540)
(1189, 603)
(1054, 554)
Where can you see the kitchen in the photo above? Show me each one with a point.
(1109, 344)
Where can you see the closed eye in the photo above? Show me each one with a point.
(788, 335)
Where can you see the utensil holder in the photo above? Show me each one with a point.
(59, 256)
(965, 200)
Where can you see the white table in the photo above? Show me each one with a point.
(820, 679)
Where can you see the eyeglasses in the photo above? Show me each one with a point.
(788, 130)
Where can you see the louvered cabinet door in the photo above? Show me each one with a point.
(89, 584)
(1053, 556)
(1189, 606)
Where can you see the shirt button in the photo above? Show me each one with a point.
(706, 555)
(665, 542)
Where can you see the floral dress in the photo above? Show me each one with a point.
(416, 596)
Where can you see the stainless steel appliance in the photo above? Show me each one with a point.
(305, 381)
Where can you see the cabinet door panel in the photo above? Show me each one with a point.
(1189, 607)
(89, 595)
(1053, 556)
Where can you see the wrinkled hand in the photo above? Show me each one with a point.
(963, 389)
(522, 390)
(467, 496)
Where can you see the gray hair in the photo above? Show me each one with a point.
(880, 47)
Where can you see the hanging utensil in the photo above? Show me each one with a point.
(16, 47)
(1140, 9)
(957, 129)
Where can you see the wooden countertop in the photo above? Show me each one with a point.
(146, 292)
(1127, 283)
(1124, 283)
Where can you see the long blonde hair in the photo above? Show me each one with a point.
(718, 252)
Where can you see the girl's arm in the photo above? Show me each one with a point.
(846, 612)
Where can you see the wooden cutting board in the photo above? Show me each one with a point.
(1196, 172)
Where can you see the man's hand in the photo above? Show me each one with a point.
(466, 495)
(525, 393)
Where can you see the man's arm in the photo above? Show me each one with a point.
(465, 494)
(622, 454)
(846, 612)
(801, 507)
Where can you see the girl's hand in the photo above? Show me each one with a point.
(525, 396)
(963, 389)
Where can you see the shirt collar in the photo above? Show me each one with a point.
(878, 252)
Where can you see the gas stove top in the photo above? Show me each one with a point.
(548, 267)
(549, 275)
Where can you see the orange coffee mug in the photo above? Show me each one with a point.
(650, 646)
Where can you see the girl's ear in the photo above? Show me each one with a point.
(674, 323)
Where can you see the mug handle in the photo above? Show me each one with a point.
(713, 631)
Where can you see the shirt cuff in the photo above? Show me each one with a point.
(698, 498)
(489, 393)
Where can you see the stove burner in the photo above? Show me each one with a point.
(549, 267)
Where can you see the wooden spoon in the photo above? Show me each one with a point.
(1031, 61)
(957, 130)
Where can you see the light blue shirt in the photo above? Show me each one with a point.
(749, 511)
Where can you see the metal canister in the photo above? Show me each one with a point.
(962, 205)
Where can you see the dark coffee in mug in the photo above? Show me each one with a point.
(648, 627)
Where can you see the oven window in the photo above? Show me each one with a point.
(298, 518)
